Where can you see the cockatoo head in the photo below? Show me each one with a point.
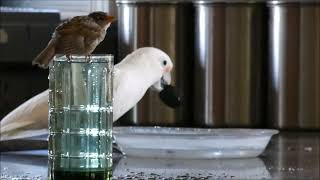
(165, 65)
(162, 65)
(151, 68)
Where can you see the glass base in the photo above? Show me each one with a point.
(78, 175)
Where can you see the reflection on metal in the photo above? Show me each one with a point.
(294, 156)
(294, 66)
(229, 76)
(168, 27)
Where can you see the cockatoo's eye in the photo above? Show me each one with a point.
(164, 62)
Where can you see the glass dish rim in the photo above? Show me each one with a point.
(261, 132)
(96, 58)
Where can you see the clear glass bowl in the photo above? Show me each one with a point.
(191, 143)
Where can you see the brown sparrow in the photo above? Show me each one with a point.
(79, 35)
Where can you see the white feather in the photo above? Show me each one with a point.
(132, 78)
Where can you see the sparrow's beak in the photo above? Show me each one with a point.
(110, 18)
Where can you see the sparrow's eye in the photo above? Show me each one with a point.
(164, 62)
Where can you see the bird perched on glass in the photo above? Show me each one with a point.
(79, 35)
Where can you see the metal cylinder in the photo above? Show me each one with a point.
(166, 25)
(230, 55)
(111, 7)
(294, 65)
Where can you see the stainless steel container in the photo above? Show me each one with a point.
(294, 65)
(230, 52)
(165, 24)
(111, 7)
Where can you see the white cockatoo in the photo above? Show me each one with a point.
(133, 76)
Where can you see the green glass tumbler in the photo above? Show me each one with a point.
(80, 117)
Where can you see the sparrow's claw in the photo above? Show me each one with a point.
(68, 57)
(87, 58)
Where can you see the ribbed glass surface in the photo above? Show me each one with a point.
(80, 114)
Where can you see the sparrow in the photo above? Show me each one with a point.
(143, 69)
(79, 35)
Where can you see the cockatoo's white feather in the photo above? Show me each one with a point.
(132, 77)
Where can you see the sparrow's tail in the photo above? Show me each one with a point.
(44, 58)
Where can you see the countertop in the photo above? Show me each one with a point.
(289, 155)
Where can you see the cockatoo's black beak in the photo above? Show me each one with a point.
(166, 79)
(168, 94)
(170, 97)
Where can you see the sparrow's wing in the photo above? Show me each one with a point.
(72, 34)
(81, 25)
(70, 44)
